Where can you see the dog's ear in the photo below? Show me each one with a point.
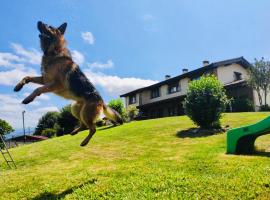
(40, 26)
(62, 28)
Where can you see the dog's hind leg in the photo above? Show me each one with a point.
(75, 111)
(89, 114)
(112, 115)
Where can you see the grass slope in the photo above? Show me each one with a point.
(140, 160)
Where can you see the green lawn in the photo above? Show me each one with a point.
(140, 160)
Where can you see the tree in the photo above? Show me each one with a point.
(259, 79)
(66, 121)
(118, 106)
(205, 102)
(48, 120)
(5, 127)
(48, 132)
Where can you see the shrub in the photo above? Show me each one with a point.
(205, 102)
(49, 132)
(48, 120)
(242, 105)
(132, 112)
(117, 105)
(66, 121)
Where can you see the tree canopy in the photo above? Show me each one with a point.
(5, 127)
(259, 78)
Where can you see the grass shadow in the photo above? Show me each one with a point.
(49, 195)
(197, 132)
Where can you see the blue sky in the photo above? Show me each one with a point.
(123, 45)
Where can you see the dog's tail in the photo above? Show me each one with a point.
(112, 115)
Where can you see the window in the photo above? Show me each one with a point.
(173, 88)
(155, 93)
(132, 99)
(237, 76)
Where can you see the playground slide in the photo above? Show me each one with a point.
(241, 140)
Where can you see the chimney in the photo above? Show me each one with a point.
(184, 70)
(205, 63)
(167, 77)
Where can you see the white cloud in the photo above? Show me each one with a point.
(115, 85)
(99, 65)
(9, 60)
(11, 111)
(13, 76)
(88, 37)
(147, 17)
(31, 56)
(46, 109)
(15, 63)
(77, 56)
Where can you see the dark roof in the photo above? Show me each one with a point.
(240, 60)
(29, 137)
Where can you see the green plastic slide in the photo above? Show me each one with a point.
(241, 140)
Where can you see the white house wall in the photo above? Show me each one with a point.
(225, 74)
(146, 95)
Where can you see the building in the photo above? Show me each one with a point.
(166, 98)
(28, 139)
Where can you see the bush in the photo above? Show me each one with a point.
(118, 106)
(66, 121)
(264, 108)
(48, 120)
(205, 102)
(49, 132)
(132, 112)
(242, 105)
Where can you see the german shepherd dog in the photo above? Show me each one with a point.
(63, 77)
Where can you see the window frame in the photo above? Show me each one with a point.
(155, 91)
(177, 85)
(131, 97)
(237, 76)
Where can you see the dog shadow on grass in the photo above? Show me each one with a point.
(49, 195)
(106, 127)
(197, 132)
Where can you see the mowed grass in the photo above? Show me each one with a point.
(140, 160)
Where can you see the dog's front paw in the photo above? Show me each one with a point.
(18, 87)
(27, 100)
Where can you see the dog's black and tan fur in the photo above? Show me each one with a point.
(63, 77)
